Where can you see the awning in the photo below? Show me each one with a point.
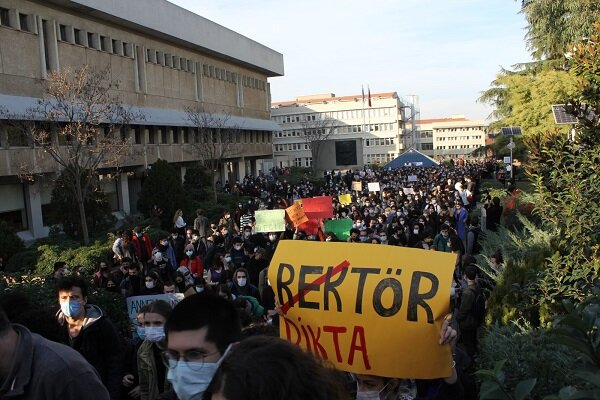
(19, 106)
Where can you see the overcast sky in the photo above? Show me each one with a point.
(444, 51)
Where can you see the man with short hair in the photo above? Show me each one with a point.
(32, 367)
(201, 223)
(198, 334)
(467, 320)
(89, 332)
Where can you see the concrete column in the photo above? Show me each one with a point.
(253, 170)
(33, 208)
(123, 192)
(183, 171)
(43, 66)
(241, 169)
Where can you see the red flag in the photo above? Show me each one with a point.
(369, 96)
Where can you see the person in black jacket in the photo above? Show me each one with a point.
(87, 330)
(493, 214)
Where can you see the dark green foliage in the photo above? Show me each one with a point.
(162, 188)
(10, 243)
(87, 257)
(197, 183)
(23, 261)
(501, 149)
(527, 353)
(98, 212)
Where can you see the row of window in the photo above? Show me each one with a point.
(464, 146)
(16, 20)
(474, 128)
(303, 162)
(290, 147)
(156, 135)
(222, 74)
(451, 138)
(379, 142)
(379, 158)
(92, 40)
(338, 115)
(169, 60)
(426, 146)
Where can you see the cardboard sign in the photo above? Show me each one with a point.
(507, 160)
(310, 227)
(367, 309)
(298, 201)
(296, 215)
(270, 221)
(134, 303)
(345, 199)
(408, 190)
(341, 227)
(373, 187)
(318, 207)
(412, 178)
(357, 186)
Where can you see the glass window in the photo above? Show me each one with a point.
(24, 21)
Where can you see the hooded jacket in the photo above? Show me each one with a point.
(99, 343)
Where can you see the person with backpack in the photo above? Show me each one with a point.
(471, 311)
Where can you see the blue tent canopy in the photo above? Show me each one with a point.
(412, 158)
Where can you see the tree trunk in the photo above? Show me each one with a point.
(80, 204)
(214, 185)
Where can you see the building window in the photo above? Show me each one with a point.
(78, 37)
(24, 21)
(91, 41)
(151, 133)
(137, 134)
(4, 17)
(16, 137)
(175, 135)
(62, 33)
(163, 135)
(127, 49)
(186, 135)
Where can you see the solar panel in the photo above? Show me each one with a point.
(561, 117)
(511, 131)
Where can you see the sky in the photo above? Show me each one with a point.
(445, 52)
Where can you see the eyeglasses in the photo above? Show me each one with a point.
(194, 358)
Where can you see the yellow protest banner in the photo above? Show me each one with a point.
(367, 309)
(345, 199)
(296, 215)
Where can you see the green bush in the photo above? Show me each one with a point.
(23, 261)
(74, 255)
(528, 353)
(10, 242)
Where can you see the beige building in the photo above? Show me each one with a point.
(379, 126)
(452, 137)
(164, 57)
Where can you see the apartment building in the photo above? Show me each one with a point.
(377, 120)
(165, 58)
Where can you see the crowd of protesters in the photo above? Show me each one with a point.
(220, 266)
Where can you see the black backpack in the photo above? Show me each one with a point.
(478, 311)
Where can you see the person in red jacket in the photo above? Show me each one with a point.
(192, 262)
(142, 244)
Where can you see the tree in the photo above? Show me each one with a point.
(215, 140)
(80, 129)
(162, 193)
(524, 97)
(554, 26)
(315, 132)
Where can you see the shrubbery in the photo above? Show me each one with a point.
(10, 243)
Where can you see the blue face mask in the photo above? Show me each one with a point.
(141, 332)
(70, 308)
(191, 379)
(155, 333)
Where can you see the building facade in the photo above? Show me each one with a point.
(376, 120)
(164, 58)
(453, 137)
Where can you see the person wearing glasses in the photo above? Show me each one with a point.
(151, 369)
(198, 334)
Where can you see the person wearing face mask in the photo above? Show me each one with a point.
(152, 284)
(256, 264)
(241, 285)
(142, 244)
(160, 264)
(88, 331)
(192, 262)
(415, 239)
(383, 237)
(216, 273)
(198, 335)
(238, 254)
(177, 243)
(132, 284)
(229, 223)
(152, 371)
(102, 276)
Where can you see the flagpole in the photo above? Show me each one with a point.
(369, 89)
(362, 88)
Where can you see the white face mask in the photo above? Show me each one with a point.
(237, 247)
(150, 285)
(154, 333)
(416, 231)
(369, 395)
(272, 238)
(241, 282)
(189, 253)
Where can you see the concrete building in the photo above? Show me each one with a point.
(378, 122)
(165, 59)
(452, 137)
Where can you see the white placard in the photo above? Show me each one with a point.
(374, 187)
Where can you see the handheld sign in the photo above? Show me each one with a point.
(412, 178)
(374, 310)
(270, 221)
(296, 215)
(345, 199)
(341, 227)
(134, 303)
(318, 207)
(373, 186)
(357, 186)
(408, 190)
